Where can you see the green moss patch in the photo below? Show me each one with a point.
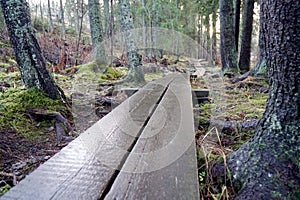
(14, 104)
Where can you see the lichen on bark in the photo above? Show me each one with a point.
(135, 73)
(28, 53)
(268, 166)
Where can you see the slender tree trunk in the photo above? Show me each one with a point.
(214, 36)
(227, 46)
(50, 17)
(111, 27)
(77, 18)
(42, 16)
(245, 52)
(62, 13)
(237, 13)
(267, 167)
(96, 30)
(134, 59)
(144, 24)
(106, 18)
(207, 35)
(28, 53)
(260, 67)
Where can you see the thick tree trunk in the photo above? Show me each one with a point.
(227, 46)
(96, 30)
(63, 28)
(28, 53)
(237, 13)
(245, 53)
(50, 17)
(134, 59)
(267, 167)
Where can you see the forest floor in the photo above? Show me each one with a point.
(27, 140)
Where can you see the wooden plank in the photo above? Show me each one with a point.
(84, 168)
(162, 164)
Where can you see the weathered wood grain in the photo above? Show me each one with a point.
(143, 149)
(162, 164)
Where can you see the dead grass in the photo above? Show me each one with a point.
(244, 101)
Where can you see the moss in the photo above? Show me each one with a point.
(4, 188)
(13, 106)
(152, 76)
(5, 65)
(4, 45)
(13, 78)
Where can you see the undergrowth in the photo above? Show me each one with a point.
(244, 101)
(15, 102)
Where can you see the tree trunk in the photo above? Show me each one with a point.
(50, 17)
(227, 46)
(96, 30)
(134, 60)
(28, 53)
(260, 67)
(214, 37)
(237, 13)
(267, 167)
(207, 35)
(42, 16)
(144, 26)
(2, 23)
(245, 53)
(106, 18)
(77, 18)
(111, 29)
(63, 29)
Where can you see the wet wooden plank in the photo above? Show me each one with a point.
(84, 168)
(162, 164)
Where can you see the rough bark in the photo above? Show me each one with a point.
(267, 167)
(245, 52)
(96, 30)
(237, 13)
(227, 46)
(134, 59)
(28, 53)
(50, 17)
(2, 22)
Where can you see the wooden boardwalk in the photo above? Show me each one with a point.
(143, 149)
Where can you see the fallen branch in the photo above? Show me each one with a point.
(241, 78)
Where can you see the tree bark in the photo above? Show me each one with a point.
(96, 30)
(50, 17)
(237, 13)
(134, 59)
(106, 18)
(227, 46)
(245, 52)
(267, 167)
(214, 36)
(28, 53)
